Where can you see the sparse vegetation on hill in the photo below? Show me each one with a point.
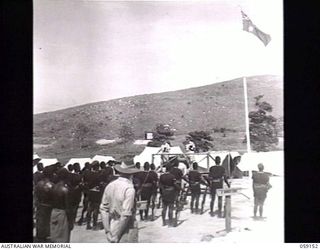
(205, 108)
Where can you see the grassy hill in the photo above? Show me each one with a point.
(209, 107)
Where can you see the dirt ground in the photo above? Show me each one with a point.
(204, 228)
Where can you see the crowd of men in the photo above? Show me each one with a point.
(117, 190)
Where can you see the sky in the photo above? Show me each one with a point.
(89, 51)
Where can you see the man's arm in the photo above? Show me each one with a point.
(104, 210)
(126, 215)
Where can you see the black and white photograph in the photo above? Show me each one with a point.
(158, 121)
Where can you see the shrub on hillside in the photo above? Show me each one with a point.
(202, 140)
(262, 127)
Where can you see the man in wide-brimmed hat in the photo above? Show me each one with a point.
(118, 206)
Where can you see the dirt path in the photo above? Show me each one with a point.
(203, 228)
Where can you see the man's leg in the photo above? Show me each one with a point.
(95, 215)
(192, 202)
(213, 197)
(84, 209)
(255, 208)
(260, 210)
(171, 205)
(219, 206)
(164, 212)
(197, 197)
(89, 213)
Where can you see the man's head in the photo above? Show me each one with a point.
(218, 160)
(127, 167)
(95, 166)
(195, 165)
(76, 167)
(40, 167)
(87, 165)
(152, 166)
(137, 165)
(260, 167)
(103, 165)
(70, 167)
(146, 166)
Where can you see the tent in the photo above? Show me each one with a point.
(146, 155)
(35, 156)
(81, 161)
(100, 158)
(273, 162)
(46, 162)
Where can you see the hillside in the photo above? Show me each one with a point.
(219, 105)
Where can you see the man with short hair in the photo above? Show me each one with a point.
(194, 180)
(215, 179)
(146, 181)
(61, 222)
(75, 182)
(261, 186)
(37, 176)
(118, 206)
(169, 190)
(43, 195)
(155, 178)
(84, 173)
(94, 195)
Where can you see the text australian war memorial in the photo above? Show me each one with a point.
(195, 163)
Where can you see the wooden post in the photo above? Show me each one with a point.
(208, 161)
(228, 213)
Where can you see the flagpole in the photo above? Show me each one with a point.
(246, 113)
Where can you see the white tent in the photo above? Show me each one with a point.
(104, 158)
(273, 162)
(146, 155)
(46, 162)
(81, 161)
(35, 156)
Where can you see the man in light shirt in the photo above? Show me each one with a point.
(118, 206)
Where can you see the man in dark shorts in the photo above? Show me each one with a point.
(261, 186)
(43, 192)
(84, 174)
(155, 179)
(145, 189)
(215, 179)
(75, 182)
(61, 216)
(94, 195)
(169, 190)
(194, 179)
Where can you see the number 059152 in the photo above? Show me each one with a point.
(306, 245)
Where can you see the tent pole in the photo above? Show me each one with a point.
(246, 113)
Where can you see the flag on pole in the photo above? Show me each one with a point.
(251, 28)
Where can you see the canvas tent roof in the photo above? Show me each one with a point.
(146, 155)
(103, 158)
(81, 161)
(35, 156)
(273, 162)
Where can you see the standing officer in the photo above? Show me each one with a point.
(118, 206)
(261, 186)
(215, 179)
